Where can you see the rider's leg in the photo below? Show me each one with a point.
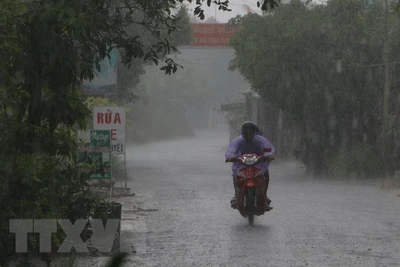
(235, 187)
(266, 177)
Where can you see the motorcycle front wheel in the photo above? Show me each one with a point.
(250, 202)
(251, 219)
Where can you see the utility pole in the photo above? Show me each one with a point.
(386, 87)
(215, 10)
(280, 132)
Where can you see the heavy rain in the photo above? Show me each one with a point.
(199, 133)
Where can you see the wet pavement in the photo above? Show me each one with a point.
(181, 214)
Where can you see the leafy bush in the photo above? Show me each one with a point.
(361, 161)
(40, 187)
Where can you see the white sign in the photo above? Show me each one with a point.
(113, 119)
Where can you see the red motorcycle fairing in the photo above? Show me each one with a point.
(251, 182)
(250, 199)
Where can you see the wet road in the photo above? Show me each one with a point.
(184, 187)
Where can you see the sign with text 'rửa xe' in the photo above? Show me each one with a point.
(113, 119)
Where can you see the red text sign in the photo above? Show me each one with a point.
(113, 119)
(216, 34)
(108, 118)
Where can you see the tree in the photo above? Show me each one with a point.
(46, 49)
(64, 42)
(129, 77)
(319, 66)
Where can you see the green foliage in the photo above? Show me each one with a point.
(66, 108)
(46, 49)
(91, 102)
(45, 184)
(182, 36)
(322, 66)
(40, 186)
(128, 81)
(362, 161)
(129, 76)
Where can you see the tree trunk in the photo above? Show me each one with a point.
(33, 116)
(33, 82)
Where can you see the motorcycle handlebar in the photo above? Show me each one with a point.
(268, 159)
(233, 160)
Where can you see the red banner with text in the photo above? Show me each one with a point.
(217, 34)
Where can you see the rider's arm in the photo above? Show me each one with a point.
(268, 148)
(232, 151)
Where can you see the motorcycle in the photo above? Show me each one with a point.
(250, 196)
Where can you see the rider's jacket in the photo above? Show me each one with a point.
(259, 145)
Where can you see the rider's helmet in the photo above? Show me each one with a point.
(248, 130)
(249, 126)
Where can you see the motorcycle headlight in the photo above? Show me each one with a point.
(249, 161)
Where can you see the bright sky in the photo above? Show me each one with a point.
(238, 8)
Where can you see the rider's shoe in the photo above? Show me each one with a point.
(267, 204)
(233, 203)
(268, 207)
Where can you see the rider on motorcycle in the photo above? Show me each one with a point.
(250, 142)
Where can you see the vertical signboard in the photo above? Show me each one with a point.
(105, 80)
(94, 149)
(114, 120)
